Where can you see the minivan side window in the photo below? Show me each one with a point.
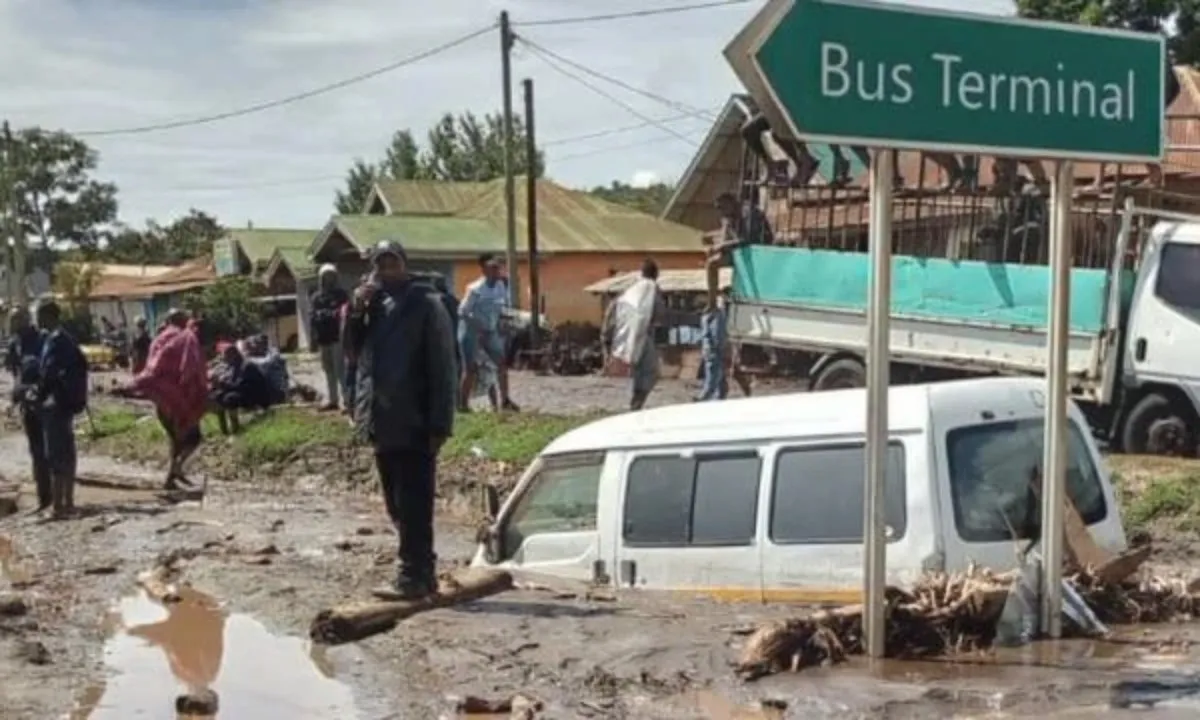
(817, 497)
(675, 501)
(562, 497)
(991, 466)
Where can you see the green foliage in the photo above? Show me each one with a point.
(458, 148)
(1170, 500)
(73, 283)
(59, 200)
(227, 308)
(651, 199)
(511, 437)
(1179, 20)
(186, 238)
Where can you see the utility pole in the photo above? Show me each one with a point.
(510, 192)
(6, 202)
(535, 297)
(12, 222)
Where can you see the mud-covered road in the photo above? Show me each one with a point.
(267, 555)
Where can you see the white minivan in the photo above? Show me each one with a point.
(762, 498)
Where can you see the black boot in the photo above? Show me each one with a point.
(408, 587)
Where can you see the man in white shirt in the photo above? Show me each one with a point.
(479, 331)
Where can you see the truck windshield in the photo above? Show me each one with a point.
(1178, 282)
(991, 466)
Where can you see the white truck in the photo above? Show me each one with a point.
(1134, 327)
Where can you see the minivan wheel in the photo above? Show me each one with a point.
(1155, 427)
(839, 375)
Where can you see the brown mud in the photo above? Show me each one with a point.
(259, 559)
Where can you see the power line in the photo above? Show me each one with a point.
(552, 160)
(633, 13)
(612, 98)
(616, 130)
(684, 107)
(271, 104)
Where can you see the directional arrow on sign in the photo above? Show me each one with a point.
(892, 75)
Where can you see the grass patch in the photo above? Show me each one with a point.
(273, 437)
(510, 437)
(1158, 493)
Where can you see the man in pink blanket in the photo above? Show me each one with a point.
(176, 381)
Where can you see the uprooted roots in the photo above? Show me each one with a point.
(945, 614)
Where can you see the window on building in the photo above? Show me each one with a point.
(705, 500)
(817, 497)
(992, 467)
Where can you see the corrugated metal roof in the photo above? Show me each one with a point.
(425, 197)
(297, 261)
(668, 281)
(259, 243)
(575, 221)
(421, 234)
(176, 279)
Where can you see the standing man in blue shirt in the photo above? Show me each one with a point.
(715, 352)
(62, 393)
(480, 313)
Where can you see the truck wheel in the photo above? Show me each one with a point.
(839, 375)
(1155, 427)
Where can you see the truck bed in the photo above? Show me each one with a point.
(966, 314)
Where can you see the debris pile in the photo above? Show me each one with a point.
(952, 613)
(572, 349)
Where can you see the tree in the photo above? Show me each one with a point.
(73, 284)
(458, 148)
(58, 200)
(187, 237)
(1179, 20)
(651, 199)
(227, 309)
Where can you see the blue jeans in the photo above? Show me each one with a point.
(716, 386)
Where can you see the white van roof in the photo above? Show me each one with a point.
(828, 413)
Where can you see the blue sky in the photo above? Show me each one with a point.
(104, 64)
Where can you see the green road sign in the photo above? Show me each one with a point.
(891, 75)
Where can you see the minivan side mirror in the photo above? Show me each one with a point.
(489, 501)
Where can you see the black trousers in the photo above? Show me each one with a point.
(408, 478)
(36, 436)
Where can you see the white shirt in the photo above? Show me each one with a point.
(484, 305)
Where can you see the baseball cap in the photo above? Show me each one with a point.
(388, 247)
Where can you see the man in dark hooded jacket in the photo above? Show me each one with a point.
(401, 334)
(23, 362)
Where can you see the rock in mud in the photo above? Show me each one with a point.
(8, 506)
(13, 606)
(33, 652)
(518, 706)
(200, 702)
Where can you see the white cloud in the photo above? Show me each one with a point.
(120, 63)
(645, 178)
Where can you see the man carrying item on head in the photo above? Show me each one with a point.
(480, 313)
(401, 335)
(325, 331)
(740, 225)
(23, 361)
(176, 381)
(62, 394)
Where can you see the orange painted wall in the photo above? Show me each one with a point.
(564, 277)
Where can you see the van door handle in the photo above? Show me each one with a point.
(1139, 349)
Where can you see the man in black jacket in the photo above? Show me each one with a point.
(62, 393)
(400, 333)
(23, 361)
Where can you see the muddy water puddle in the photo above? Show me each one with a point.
(158, 652)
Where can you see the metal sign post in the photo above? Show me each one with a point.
(878, 324)
(1055, 446)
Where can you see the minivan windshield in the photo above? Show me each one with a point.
(991, 466)
(561, 497)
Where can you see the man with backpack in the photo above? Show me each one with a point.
(23, 361)
(61, 394)
(325, 331)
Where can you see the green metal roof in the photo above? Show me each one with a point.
(575, 221)
(258, 244)
(427, 197)
(421, 235)
(298, 260)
